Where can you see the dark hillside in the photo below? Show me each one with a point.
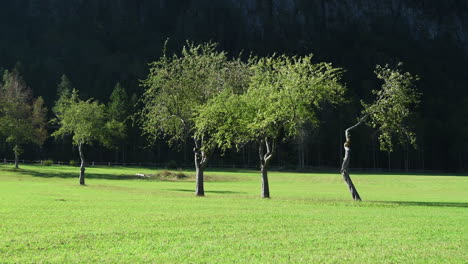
(99, 42)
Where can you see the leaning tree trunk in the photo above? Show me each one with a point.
(82, 166)
(201, 160)
(264, 162)
(345, 173)
(346, 159)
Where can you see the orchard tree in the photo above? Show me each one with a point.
(22, 118)
(177, 88)
(388, 113)
(283, 93)
(86, 121)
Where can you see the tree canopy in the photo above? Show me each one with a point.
(392, 106)
(22, 118)
(282, 93)
(85, 121)
(176, 87)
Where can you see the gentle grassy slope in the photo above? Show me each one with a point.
(47, 217)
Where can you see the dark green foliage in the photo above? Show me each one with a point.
(171, 165)
(118, 112)
(64, 90)
(118, 107)
(99, 43)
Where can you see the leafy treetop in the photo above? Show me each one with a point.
(177, 87)
(283, 93)
(392, 107)
(86, 121)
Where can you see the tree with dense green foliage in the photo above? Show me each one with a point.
(177, 87)
(283, 93)
(388, 113)
(22, 118)
(86, 121)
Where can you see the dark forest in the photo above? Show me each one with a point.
(98, 44)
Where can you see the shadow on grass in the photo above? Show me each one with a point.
(431, 204)
(190, 190)
(51, 174)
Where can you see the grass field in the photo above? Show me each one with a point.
(46, 217)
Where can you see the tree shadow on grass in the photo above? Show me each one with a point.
(430, 204)
(52, 174)
(220, 192)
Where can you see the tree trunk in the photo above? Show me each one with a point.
(16, 150)
(201, 160)
(345, 173)
(265, 185)
(264, 162)
(301, 148)
(199, 188)
(82, 166)
(346, 160)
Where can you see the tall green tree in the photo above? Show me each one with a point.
(64, 90)
(177, 87)
(22, 118)
(118, 110)
(86, 121)
(388, 113)
(283, 93)
(118, 106)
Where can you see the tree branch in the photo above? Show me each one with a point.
(348, 138)
(269, 153)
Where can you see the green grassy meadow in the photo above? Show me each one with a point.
(47, 217)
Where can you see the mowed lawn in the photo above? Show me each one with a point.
(47, 217)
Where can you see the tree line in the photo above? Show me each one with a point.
(99, 43)
(216, 101)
